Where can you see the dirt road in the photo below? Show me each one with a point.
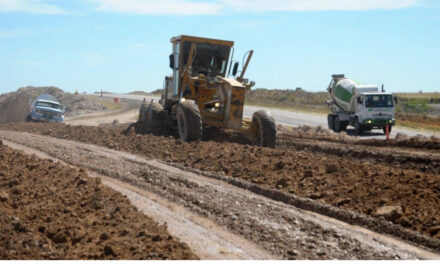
(292, 118)
(51, 211)
(267, 228)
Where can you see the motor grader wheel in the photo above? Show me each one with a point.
(189, 121)
(264, 129)
(142, 113)
(153, 114)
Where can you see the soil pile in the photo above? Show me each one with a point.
(51, 211)
(14, 106)
(354, 184)
(320, 133)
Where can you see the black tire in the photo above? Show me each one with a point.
(337, 124)
(153, 114)
(29, 118)
(264, 128)
(330, 122)
(344, 126)
(385, 131)
(357, 127)
(142, 113)
(189, 121)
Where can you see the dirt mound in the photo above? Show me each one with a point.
(14, 106)
(319, 133)
(50, 211)
(359, 185)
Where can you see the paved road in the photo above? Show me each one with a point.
(292, 118)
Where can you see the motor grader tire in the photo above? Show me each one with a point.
(189, 121)
(142, 113)
(153, 114)
(264, 128)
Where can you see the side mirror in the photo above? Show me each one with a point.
(359, 100)
(172, 61)
(235, 69)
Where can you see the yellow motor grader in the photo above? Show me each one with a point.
(200, 93)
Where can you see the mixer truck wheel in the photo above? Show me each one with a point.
(189, 121)
(330, 122)
(264, 129)
(385, 129)
(357, 127)
(337, 125)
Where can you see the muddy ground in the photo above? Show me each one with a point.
(359, 184)
(51, 211)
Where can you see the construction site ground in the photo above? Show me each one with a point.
(52, 211)
(318, 195)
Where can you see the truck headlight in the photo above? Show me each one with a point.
(369, 121)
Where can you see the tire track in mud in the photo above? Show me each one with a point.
(282, 229)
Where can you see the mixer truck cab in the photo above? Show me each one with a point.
(360, 106)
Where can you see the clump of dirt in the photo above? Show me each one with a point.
(319, 133)
(355, 184)
(14, 106)
(51, 211)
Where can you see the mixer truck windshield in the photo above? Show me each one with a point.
(378, 100)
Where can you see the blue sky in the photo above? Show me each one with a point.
(123, 45)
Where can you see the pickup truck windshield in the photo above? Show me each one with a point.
(50, 105)
(377, 100)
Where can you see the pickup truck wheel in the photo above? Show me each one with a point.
(357, 127)
(330, 122)
(29, 118)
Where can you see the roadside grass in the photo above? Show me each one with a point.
(417, 125)
(139, 93)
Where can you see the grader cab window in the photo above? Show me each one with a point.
(210, 60)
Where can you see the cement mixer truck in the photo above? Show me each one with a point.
(360, 106)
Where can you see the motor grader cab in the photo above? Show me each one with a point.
(200, 93)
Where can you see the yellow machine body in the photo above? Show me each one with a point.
(199, 73)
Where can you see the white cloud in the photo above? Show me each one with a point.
(314, 5)
(7, 34)
(160, 7)
(205, 7)
(30, 6)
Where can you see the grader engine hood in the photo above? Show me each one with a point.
(234, 94)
